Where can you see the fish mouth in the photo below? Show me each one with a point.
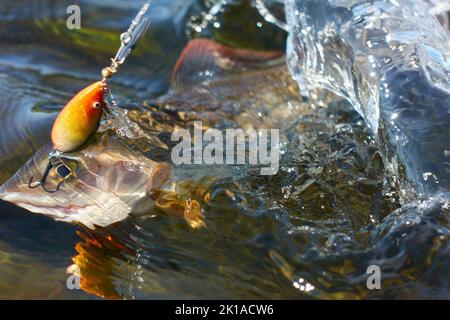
(108, 181)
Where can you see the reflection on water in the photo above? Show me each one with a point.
(34, 254)
(322, 220)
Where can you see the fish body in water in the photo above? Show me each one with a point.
(111, 179)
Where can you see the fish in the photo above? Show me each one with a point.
(79, 119)
(112, 179)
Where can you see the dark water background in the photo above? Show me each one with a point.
(322, 220)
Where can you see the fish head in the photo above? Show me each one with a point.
(79, 119)
(107, 182)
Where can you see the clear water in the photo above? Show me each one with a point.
(391, 60)
(330, 212)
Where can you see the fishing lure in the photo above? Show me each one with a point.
(80, 118)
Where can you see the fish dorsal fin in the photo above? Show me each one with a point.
(205, 59)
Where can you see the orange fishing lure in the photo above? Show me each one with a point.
(79, 119)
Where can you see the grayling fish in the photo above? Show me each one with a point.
(111, 179)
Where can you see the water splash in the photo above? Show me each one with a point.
(116, 119)
(438, 7)
(268, 16)
(390, 59)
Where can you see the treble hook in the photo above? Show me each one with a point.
(61, 169)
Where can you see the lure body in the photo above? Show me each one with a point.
(79, 119)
